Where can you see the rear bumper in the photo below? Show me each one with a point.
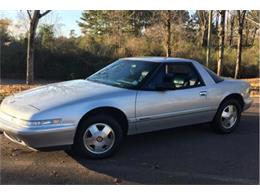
(39, 137)
(247, 103)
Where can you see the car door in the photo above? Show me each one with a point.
(183, 102)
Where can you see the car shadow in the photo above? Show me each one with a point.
(187, 155)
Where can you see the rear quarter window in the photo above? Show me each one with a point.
(215, 77)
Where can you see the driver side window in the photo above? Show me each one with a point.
(178, 75)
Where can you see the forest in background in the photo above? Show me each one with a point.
(109, 35)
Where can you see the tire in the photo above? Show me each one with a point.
(220, 122)
(93, 130)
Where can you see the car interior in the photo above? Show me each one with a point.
(176, 76)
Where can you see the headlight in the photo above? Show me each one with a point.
(36, 122)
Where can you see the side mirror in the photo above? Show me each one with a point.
(164, 86)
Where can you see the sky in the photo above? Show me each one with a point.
(64, 20)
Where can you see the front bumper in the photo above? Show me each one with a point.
(39, 137)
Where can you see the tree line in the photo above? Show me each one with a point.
(225, 41)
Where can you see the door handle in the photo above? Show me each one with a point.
(203, 93)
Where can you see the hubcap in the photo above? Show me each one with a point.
(99, 138)
(229, 116)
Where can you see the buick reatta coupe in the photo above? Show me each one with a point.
(129, 96)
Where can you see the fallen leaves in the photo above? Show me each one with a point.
(6, 90)
(54, 173)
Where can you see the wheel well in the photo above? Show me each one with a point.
(235, 96)
(110, 111)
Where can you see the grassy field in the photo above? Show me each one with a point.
(9, 89)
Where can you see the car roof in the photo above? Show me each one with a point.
(159, 59)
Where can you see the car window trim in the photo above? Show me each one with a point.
(149, 78)
(144, 88)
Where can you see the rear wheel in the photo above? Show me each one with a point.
(98, 137)
(228, 116)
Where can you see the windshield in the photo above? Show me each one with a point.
(124, 73)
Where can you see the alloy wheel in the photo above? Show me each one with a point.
(229, 116)
(99, 138)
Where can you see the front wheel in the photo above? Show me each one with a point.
(228, 116)
(98, 137)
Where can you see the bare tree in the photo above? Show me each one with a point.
(221, 41)
(169, 36)
(34, 17)
(203, 22)
(247, 31)
(253, 36)
(253, 17)
(209, 38)
(232, 22)
(168, 19)
(241, 18)
(217, 21)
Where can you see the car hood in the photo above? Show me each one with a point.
(28, 102)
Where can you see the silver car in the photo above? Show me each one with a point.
(129, 96)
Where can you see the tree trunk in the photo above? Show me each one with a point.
(241, 18)
(34, 20)
(253, 36)
(246, 34)
(221, 42)
(169, 37)
(203, 35)
(232, 22)
(209, 38)
(217, 21)
(30, 54)
(31, 47)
